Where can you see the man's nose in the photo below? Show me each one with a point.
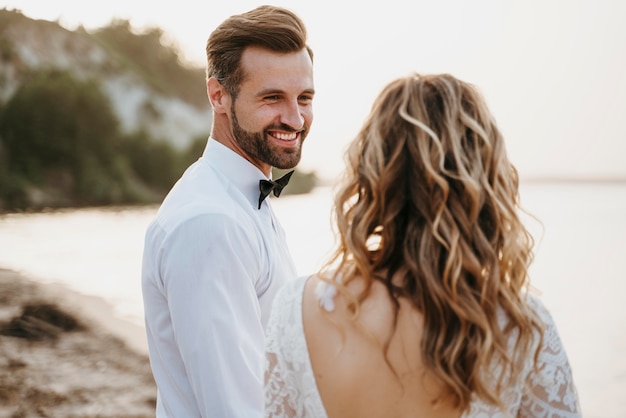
(293, 115)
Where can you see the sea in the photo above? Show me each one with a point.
(579, 266)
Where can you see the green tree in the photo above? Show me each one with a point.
(155, 163)
(61, 134)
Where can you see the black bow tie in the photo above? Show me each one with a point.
(268, 186)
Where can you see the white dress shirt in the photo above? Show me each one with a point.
(212, 264)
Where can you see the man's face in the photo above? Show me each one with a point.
(273, 110)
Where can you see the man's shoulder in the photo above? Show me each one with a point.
(203, 195)
(204, 212)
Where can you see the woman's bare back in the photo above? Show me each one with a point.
(353, 376)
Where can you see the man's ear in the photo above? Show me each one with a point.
(218, 95)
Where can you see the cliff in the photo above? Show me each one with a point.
(148, 86)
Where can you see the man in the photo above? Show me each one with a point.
(215, 255)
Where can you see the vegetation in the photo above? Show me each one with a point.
(60, 145)
(154, 61)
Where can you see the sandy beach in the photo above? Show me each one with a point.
(65, 355)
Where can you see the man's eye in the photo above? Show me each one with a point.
(271, 98)
(306, 98)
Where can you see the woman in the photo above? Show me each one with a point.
(424, 309)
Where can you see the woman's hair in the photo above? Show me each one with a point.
(273, 28)
(428, 206)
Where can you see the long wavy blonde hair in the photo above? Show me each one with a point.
(429, 207)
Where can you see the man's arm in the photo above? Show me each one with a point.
(210, 266)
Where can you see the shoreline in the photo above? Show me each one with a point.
(97, 367)
(99, 313)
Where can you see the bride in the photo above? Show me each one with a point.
(425, 309)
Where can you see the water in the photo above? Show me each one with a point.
(580, 266)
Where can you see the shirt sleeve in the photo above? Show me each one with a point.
(210, 266)
(550, 389)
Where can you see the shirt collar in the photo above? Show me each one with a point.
(239, 171)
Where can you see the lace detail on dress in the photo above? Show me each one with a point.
(551, 392)
(290, 388)
(546, 392)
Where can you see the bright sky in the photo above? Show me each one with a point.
(553, 72)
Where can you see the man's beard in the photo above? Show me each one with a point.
(258, 146)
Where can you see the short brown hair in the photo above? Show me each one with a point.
(274, 28)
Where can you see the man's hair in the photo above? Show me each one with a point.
(274, 28)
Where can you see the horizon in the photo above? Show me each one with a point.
(551, 74)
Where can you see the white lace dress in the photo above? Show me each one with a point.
(291, 391)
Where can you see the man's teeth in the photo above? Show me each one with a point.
(286, 137)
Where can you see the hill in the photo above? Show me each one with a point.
(147, 84)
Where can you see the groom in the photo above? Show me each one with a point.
(215, 255)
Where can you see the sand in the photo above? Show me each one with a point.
(65, 355)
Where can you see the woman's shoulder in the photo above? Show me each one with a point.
(336, 308)
(551, 344)
(537, 306)
(289, 296)
(295, 286)
(284, 327)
